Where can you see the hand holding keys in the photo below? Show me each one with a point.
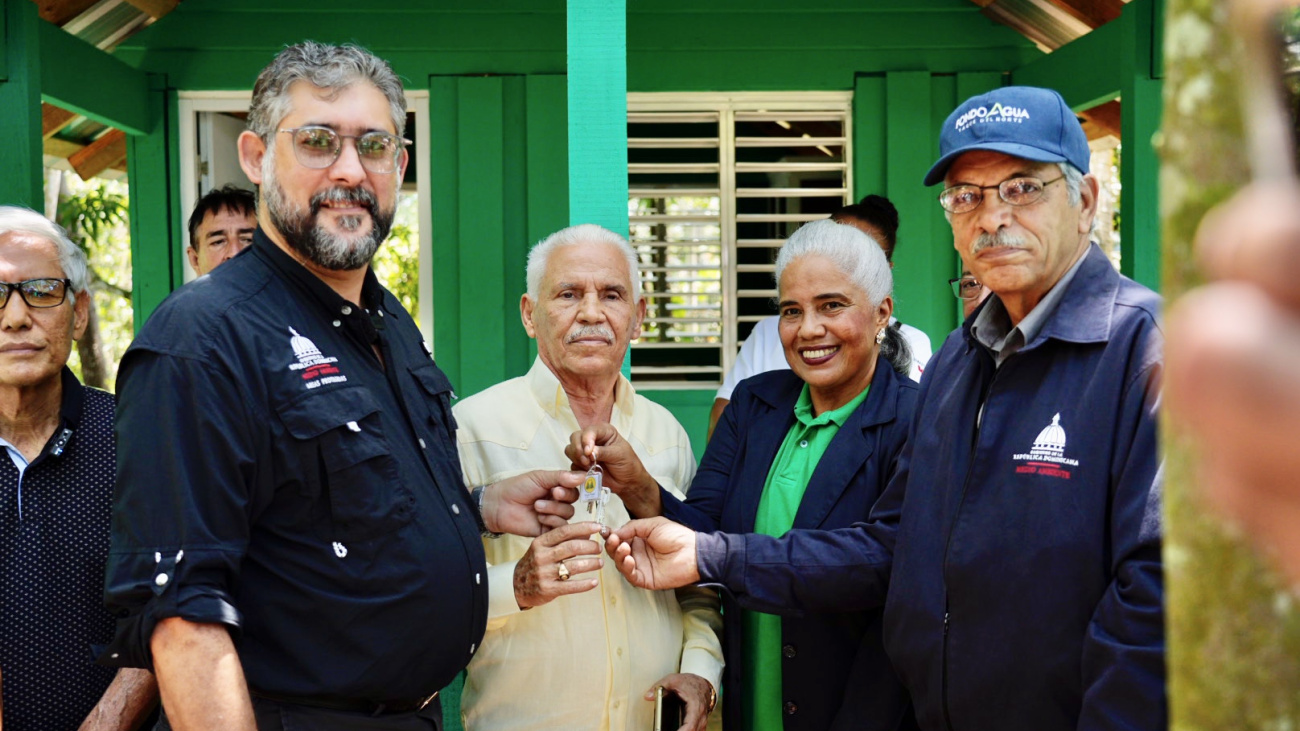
(593, 493)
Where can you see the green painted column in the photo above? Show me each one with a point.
(157, 231)
(597, 65)
(924, 258)
(1140, 93)
(20, 99)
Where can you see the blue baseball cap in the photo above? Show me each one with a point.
(1022, 121)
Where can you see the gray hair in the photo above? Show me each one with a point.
(72, 260)
(333, 68)
(859, 257)
(1073, 183)
(855, 253)
(584, 233)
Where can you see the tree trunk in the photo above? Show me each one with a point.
(93, 372)
(1234, 633)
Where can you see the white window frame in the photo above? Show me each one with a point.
(728, 104)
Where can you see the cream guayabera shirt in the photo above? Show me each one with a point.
(582, 661)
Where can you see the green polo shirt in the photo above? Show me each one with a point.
(793, 467)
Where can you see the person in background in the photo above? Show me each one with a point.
(56, 496)
(810, 447)
(969, 290)
(221, 226)
(874, 216)
(552, 602)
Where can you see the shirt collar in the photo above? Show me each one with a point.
(332, 303)
(803, 409)
(550, 395)
(992, 326)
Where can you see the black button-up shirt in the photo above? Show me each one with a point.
(53, 544)
(276, 476)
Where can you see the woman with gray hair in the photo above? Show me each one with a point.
(812, 447)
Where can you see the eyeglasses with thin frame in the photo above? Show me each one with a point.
(38, 293)
(1014, 191)
(318, 147)
(966, 288)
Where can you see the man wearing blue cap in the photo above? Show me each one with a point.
(1017, 549)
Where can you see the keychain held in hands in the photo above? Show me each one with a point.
(593, 492)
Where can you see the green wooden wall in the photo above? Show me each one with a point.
(496, 77)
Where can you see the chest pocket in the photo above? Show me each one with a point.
(437, 386)
(357, 471)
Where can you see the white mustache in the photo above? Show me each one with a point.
(1000, 238)
(587, 331)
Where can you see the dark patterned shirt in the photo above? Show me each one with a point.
(52, 568)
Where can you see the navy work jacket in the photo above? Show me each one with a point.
(1026, 586)
(823, 654)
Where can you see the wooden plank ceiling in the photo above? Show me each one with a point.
(1053, 23)
(71, 141)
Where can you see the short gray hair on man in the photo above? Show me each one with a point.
(853, 252)
(584, 233)
(333, 68)
(72, 260)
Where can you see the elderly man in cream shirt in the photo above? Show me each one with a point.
(570, 644)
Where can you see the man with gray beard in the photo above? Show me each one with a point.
(1017, 549)
(293, 546)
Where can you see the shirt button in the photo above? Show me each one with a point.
(160, 579)
(616, 704)
(478, 578)
(422, 444)
(613, 600)
(788, 651)
(115, 656)
(620, 652)
(337, 323)
(346, 310)
(455, 508)
(790, 708)
(803, 443)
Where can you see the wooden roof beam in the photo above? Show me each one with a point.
(1093, 12)
(106, 152)
(59, 12)
(1102, 120)
(154, 8)
(54, 119)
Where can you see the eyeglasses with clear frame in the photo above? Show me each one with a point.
(318, 147)
(966, 288)
(1014, 191)
(38, 293)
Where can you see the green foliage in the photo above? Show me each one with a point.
(397, 263)
(95, 213)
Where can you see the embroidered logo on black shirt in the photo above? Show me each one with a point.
(317, 370)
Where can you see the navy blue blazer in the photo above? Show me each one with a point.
(835, 673)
